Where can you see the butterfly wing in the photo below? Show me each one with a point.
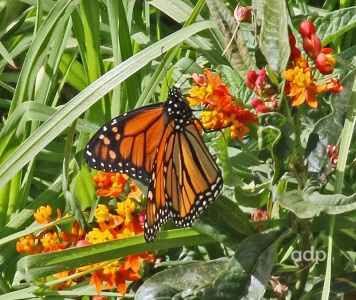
(185, 179)
(128, 144)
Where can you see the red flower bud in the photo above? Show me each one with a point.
(331, 150)
(312, 46)
(325, 62)
(262, 109)
(242, 13)
(306, 29)
(294, 53)
(256, 102)
(292, 39)
(262, 78)
(251, 79)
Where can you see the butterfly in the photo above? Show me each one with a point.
(160, 144)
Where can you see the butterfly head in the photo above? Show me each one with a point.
(177, 108)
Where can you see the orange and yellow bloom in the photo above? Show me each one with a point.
(113, 223)
(221, 111)
(110, 184)
(301, 85)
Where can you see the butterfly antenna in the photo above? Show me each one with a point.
(187, 64)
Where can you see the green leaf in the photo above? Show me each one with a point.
(225, 222)
(15, 126)
(310, 202)
(335, 24)
(277, 136)
(240, 57)
(55, 20)
(181, 282)
(244, 275)
(85, 189)
(274, 35)
(6, 55)
(255, 196)
(255, 256)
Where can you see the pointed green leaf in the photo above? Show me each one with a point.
(310, 202)
(244, 275)
(335, 24)
(274, 35)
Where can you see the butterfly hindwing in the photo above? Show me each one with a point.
(185, 180)
(128, 143)
(157, 211)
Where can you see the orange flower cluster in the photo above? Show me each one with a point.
(110, 184)
(121, 223)
(221, 111)
(300, 82)
(48, 240)
(114, 223)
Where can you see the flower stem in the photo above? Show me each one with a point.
(297, 160)
(304, 241)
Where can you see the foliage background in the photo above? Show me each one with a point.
(68, 66)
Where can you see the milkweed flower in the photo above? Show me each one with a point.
(50, 242)
(302, 87)
(333, 85)
(109, 184)
(112, 224)
(29, 245)
(43, 215)
(77, 234)
(221, 111)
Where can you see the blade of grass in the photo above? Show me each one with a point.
(346, 137)
(36, 266)
(38, 50)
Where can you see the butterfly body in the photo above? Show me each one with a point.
(160, 144)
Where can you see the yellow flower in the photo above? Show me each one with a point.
(102, 213)
(27, 245)
(209, 119)
(301, 88)
(50, 242)
(238, 129)
(110, 184)
(43, 214)
(97, 236)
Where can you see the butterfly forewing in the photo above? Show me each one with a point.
(128, 143)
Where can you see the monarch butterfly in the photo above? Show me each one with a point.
(160, 144)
